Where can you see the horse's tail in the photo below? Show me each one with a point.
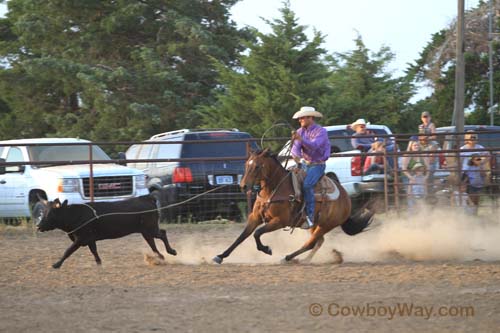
(358, 221)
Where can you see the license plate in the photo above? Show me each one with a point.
(223, 180)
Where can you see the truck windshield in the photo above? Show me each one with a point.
(217, 148)
(64, 153)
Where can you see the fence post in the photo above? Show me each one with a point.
(396, 175)
(386, 186)
(91, 175)
(249, 191)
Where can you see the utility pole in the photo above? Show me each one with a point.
(458, 109)
(491, 108)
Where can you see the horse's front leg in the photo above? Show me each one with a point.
(274, 224)
(252, 223)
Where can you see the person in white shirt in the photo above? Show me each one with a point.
(417, 184)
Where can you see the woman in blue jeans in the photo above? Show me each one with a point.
(311, 145)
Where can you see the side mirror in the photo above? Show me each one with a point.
(334, 149)
(2, 167)
(122, 157)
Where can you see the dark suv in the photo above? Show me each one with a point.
(187, 163)
(488, 137)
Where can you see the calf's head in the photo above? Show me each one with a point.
(50, 220)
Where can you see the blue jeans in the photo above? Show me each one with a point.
(313, 174)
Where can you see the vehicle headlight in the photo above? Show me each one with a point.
(68, 185)
(140, 182)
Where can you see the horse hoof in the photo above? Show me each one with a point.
(289, 261)
(56, 265)
(172, 252)
(266, 250)
(217, 260)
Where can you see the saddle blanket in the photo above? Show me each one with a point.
(325, 189)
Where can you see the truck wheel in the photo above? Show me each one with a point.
(37, 213)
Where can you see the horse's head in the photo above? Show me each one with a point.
(257, 168)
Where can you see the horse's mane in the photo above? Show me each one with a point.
(268, 153)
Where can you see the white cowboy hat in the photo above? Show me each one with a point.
(360, 121)
(307, 111)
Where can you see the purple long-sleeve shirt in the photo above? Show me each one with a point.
(315, 145)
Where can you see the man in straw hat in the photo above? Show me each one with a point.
(362, 140)
(310, 144)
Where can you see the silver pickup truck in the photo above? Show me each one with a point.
(348, 170)
(47, 175)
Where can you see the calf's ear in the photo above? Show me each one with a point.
(56, 203)
(65, 204)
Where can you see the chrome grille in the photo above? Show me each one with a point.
(109, 186)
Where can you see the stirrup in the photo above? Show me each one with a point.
(308, 224)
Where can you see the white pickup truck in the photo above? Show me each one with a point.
(348, 170)
(50, 174)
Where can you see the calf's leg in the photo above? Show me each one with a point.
(93, 249)
(69, 251)
(151, 241)
(163, 236)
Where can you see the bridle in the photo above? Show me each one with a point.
(257, 171)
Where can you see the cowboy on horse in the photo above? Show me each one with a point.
(311, 145)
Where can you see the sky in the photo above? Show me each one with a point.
(406, 26)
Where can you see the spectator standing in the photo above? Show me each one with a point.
(471, 142)
(427, 126)
(409, 160)
(417, 188)
(474, 176)
(432, 156)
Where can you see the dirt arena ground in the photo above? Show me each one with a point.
(435, 274)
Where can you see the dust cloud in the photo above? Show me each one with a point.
(424, 236)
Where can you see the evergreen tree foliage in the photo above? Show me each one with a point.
(111, 70)
(281, 71)
(364, 88)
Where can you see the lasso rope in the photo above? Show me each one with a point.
(96, 216)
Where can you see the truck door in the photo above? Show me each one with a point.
(13, 186)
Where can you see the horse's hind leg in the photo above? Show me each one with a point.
(151, 241)
(163, 236)
(309, 245)
(318, 244)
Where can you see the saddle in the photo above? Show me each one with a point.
(325, 189)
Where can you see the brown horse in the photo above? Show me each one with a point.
(276, 210)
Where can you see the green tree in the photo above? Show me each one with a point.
(112, 70)
(362, 87)
(280, 72)
(436, 67)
